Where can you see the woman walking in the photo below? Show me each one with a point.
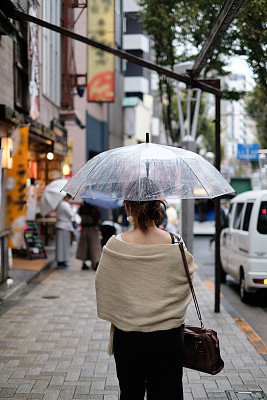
(143, 290)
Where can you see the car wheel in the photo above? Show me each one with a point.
(244, 295)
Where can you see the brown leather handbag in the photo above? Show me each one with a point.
(201, 345)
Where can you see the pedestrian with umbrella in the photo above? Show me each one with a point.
(141, 284)
(52, 196)
(64, 227)
(143, 291)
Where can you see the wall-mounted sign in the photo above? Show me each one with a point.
(60, 140)
(100, 74)
(16, 188)
(247, 152)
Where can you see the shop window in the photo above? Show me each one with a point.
(262, 218)
(238, 215)
(247, 216)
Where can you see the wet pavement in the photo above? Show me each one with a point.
(53, 346)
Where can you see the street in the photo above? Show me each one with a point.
(53, 346)
(253, 312)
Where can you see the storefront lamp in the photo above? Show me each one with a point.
(50, 155)
(66, 169)
(7, 147)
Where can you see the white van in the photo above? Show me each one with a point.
(244, 242)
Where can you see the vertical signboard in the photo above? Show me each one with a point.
(34, 86)
(16, 189)
(100, 74)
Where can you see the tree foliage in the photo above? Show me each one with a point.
(256, 106)
(179, 30)
(159, 20)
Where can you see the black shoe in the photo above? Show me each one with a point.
(85, 267)
(95, 266)
(62, 265)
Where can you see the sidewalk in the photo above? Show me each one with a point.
(53, 346)
(23, 271)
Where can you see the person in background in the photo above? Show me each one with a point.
(173, 222)
(64, 227)
(164, 219)
(122, 219)
(89, 246)
(143, 291)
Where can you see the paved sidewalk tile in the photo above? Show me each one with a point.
(53, 346)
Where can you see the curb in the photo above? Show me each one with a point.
(5, 295)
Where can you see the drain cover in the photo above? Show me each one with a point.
(50, 297)
(244, 395)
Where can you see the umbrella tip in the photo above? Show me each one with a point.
(147, 137)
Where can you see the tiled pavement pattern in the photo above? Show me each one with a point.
(53, 346)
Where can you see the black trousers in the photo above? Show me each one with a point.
(151, 362)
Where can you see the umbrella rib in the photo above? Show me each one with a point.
(196, 177)
(89, 172)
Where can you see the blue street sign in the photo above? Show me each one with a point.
(248, 152)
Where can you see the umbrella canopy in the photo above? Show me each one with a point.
(148, 171)
(108, 204)
(52, 196)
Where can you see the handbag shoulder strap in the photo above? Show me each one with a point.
(181, 246)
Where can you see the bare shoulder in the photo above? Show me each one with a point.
(165, 236)
(155, 236)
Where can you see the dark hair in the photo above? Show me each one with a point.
(143, 189)
(147, 211)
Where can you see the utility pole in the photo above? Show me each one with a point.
(188, 130)
(188, 206)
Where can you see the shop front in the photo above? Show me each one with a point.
(47, 149)
(9, 119)
(37, 159)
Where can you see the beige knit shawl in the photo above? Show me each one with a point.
(142, 287)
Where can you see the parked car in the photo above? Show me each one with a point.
(244, 242)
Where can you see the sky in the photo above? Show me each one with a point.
(238, 65)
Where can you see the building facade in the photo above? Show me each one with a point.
(237, 126)
(30, 122)
(62, 102)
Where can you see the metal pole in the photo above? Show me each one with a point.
(180, 113)
(196, 113)
(217, 205)
(187, 208)
(188, 111)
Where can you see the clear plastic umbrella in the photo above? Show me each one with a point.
(148, 171)
(51, 196)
